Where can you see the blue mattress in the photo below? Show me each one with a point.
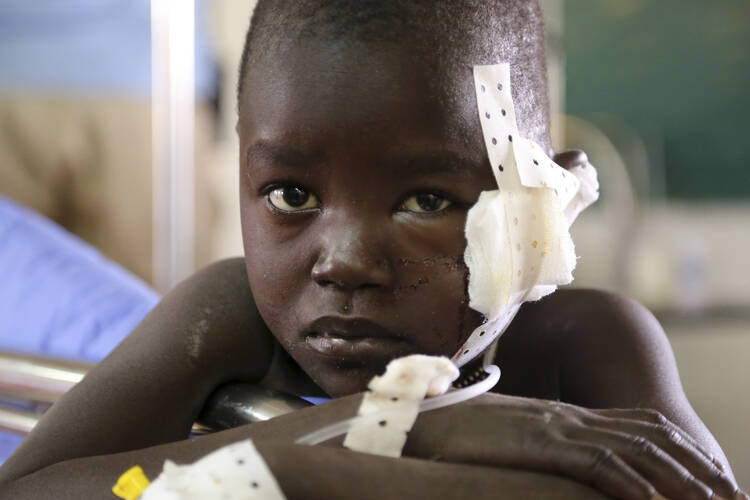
(59, 296)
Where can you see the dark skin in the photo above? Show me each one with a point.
(344, 184)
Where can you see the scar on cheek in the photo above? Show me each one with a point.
(412, 287)
(450, 263)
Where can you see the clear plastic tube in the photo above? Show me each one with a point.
(447, 399)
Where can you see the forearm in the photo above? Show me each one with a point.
(306, 472)
(302, 472)
(149, 390)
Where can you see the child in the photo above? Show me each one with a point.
(360, 155)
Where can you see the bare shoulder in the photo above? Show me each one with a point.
(209, 319)
(605, 350)
(610, 350)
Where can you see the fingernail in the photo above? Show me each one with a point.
(658, 496)
(718, 464)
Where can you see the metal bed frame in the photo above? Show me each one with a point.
(29, 385)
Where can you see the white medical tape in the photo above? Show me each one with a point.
(405, 383)
(518, 241)
(233, 472)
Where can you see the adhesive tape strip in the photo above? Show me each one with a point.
(233, 472)
(518, 241)
(405, 383)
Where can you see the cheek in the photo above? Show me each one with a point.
(434, 296)
(276, 272)
(434, 286)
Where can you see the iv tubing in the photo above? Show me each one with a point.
(447, 399)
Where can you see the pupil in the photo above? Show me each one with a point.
(295, 197)
(429, 202)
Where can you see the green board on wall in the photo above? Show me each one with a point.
(678, 67)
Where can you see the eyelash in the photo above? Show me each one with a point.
(269, 189)
(452, 203)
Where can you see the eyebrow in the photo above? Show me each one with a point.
(276, 154)
(446, 162)
(441, 162)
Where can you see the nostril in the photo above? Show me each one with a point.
(349, 274)
(326, 275)
(352, 257)
(324, 283)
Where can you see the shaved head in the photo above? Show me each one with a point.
(453, 35)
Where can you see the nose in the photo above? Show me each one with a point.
(351, 256)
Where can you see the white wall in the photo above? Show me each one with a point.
(715, 371)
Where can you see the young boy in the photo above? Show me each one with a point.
(360, 155)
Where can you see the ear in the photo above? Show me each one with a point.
(571, 158)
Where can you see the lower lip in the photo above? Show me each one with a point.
(360, 347)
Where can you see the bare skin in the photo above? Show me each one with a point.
(354, 193)
(95, 433)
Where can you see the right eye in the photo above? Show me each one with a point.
(293, 199)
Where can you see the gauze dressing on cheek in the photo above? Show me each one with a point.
(518, 241)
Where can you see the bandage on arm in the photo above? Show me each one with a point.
(381, 407)
(233, 472)
(390, 406)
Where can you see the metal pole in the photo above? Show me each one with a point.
(173, 120)
(30, 384)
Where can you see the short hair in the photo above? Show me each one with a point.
(459, 33)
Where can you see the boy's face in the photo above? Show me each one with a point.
(356, 175)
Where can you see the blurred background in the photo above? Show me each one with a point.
(117, 123)
(655, 92)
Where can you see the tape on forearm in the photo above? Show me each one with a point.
(405, 383)
(518, 241)
(234, 472)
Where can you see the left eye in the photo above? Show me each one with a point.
(292, 199)
(426, 203)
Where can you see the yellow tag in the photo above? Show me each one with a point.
(131, 484)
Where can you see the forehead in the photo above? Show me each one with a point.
(376, 92)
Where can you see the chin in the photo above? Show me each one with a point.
(343, 381)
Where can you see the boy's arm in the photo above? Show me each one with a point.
(615, 354)
(324, 473)
(302, 471)
(150, 389)
(204, 333)
(594, 350)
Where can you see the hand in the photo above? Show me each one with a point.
(571, 158)
(628, 454)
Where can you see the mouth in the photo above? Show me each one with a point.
(355, 338)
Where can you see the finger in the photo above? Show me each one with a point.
(681, 446)
(672, 440)
(667, 475)
(571, 158)
(655, 417)
(599, 467)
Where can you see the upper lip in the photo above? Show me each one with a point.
(350, 328)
